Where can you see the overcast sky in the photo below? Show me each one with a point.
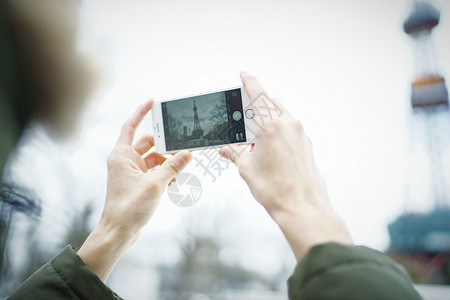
(343, 68)
(183, 110)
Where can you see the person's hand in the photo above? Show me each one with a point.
(136, 181)
(282, 175)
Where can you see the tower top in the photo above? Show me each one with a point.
(424, 18)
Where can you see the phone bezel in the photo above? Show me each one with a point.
(158, 125)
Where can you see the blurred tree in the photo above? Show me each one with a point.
(219, 113)
(201, 271)
(80, 228)
(174, 127)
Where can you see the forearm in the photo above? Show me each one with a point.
(103, 248)
(308, 226)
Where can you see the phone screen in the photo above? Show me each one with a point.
(205, 120)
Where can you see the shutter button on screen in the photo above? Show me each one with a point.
(249, 113)
(237, 115)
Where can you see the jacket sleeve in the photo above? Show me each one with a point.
(335, 271)
(64, 277)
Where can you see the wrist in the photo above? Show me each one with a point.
(104, 247)
(309, 225)
(116, 230)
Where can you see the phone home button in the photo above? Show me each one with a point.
(249, 113)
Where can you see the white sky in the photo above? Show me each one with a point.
(342, 67)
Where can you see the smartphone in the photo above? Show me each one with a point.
(202, 121)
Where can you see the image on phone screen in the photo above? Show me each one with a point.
(205, 120)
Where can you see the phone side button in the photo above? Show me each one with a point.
(249, 113)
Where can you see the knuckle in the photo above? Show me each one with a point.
(153, 188)
(117, 155)
(243, 168)
(128, 126)
(232, 155)
(147, 136)
(125, 126)
(243, 174)
(173, 168)
(298, 125)
(255, 90)
(274, 126)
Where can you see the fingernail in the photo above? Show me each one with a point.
(223, 152)
(244, 73)
(185, 156)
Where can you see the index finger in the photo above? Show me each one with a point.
(265, 107)
(252, 85)
(130, 126)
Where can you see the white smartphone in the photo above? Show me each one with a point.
(201, 121)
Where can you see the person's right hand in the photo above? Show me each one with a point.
(283, 177)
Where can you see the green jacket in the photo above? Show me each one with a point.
(64, 277)
(335, 271)
(329, 271)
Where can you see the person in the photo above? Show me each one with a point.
(280, 172)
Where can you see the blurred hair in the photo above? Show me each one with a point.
(42, 75)
(54, 78)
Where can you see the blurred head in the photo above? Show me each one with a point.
(42, 76)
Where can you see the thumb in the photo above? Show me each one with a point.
(174, 165)
(234, 153)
